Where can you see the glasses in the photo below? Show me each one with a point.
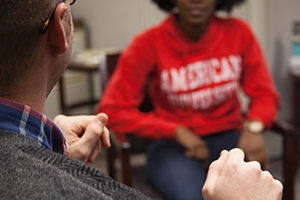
(43, 30)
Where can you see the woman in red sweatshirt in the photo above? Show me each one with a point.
(194, 64)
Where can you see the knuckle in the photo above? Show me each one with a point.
(214, 165)
(206, 191)
(278, 185)
(255, 166)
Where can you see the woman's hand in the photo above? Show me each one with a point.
(254, 147)
(195, 146)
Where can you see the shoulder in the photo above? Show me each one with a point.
(232, 27)
(231, 22)
(145, 43)
(56, 172)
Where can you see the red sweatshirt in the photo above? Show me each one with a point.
(194, 84)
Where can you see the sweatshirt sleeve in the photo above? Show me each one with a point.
(257, 82)
(125, 92)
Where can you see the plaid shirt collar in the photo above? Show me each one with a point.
(24, 120)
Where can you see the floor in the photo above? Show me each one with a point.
(273, 145)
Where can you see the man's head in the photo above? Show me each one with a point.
(23, 42)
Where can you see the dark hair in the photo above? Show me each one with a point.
(225, 5)
(20, 22)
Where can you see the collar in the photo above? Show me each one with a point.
(22, 119)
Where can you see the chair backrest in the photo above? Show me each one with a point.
(109, 61)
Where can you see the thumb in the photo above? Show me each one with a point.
(93, 131)
(102, 117)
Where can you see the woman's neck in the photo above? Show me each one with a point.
(194, 31)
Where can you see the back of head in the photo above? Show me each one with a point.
(20, 22)
(225, 5)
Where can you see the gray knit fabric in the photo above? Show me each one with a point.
(28, 171)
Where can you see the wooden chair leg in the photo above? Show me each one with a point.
(110, 158)
(126, 168)
(290, 166)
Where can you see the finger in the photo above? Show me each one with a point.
(82, 120)
(105, 138)
(236, 155)
(96, 150)
(277, 186)
(188, 153)
(207, 160)
(73, 125)
(215, 168)
(105, 141)
(199, 154)
(93, 131)
(91, 135)
(203, 154)
(255, 165)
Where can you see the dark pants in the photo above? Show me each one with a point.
(178, 177)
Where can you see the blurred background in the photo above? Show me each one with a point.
(111, 24)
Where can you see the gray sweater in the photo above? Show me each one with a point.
(28, 171)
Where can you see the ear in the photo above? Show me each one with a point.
(57, 30)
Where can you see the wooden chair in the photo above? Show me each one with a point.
(90, 70)
(124, 146)
(85, 61)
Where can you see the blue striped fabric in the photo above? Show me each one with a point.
(25, 120)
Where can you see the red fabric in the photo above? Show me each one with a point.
(194, 84)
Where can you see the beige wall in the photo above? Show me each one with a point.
(115, 22)
(282, 14)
